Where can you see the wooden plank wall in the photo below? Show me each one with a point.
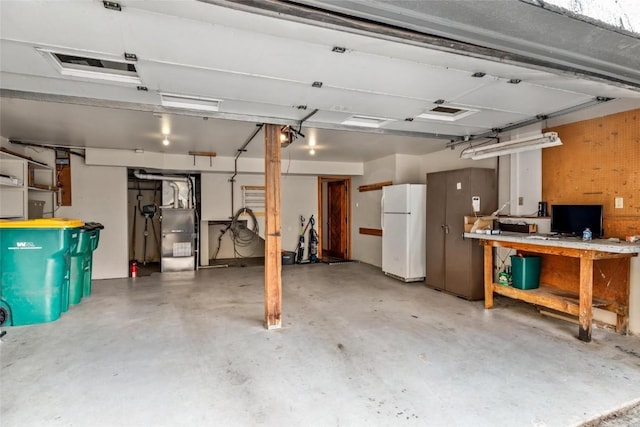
(598, 161)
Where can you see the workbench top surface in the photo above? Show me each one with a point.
(602, 245)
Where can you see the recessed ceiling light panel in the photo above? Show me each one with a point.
(366, 121)
(190, 102)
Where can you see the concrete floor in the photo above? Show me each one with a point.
(356, 349)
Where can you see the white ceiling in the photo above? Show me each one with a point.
(262, 68)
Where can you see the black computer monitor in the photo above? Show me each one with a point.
(573, 219)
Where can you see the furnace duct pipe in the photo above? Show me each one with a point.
(172, 182)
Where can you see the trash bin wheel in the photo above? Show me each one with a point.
(3, 316)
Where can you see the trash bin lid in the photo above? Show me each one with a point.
(42, 223)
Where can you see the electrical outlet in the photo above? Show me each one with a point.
(619, 202)
(520, 201)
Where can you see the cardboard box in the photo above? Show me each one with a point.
(479, 222)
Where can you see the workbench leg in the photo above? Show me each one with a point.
(622, 320)
(488, 276)
(585, 316)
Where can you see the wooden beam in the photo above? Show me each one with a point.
(320, 218)
(488, 275)
(371, 231)
(586, 295)
(203, 153)
(373, 187)
(273, 239)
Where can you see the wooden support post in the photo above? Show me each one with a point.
(622, 318)
(488, 275)
(585, 316)
(273, 244)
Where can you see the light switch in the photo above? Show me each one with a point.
(459, 186)
(619, 202)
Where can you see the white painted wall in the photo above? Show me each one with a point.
(299, 196)
(98, 194)
(407, 169)
(526, 182)
(184, 162)
(449, 159)
(365, 210)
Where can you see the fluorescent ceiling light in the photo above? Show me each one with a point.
(75, 65)
(366, 121)
(190, 102)
(549, 139)
(448, 113)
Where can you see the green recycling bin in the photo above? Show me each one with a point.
(94, 239)
(35, 262)
(80, 263)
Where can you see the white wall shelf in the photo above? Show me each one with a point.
(34, 182)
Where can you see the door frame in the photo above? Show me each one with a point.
(331, 178)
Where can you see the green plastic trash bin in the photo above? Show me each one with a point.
(35, 261)
(80, 263)
(94, 239)
(525, 271)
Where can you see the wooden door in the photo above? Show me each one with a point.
(337, 211)
(435, 229)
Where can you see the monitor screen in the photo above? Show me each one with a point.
(573, 219)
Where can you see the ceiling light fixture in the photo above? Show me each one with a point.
(514, 81)
(478, 74)
(189, 102)
(312, 152)
(166, 141)
(367, 121)
(316, 84)
(548, 139)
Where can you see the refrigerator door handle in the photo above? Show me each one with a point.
(382, 213)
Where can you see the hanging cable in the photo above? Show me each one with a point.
(241, 235)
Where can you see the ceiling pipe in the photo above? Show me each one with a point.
(241, 150)
(172, 182)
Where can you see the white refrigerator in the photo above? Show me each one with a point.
(403, 231)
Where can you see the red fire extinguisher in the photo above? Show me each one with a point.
(134, 269)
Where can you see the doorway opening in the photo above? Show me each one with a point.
(334, 218)
(163, 221)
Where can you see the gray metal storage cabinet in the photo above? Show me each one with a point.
(455, 264)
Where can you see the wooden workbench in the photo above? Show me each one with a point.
(577, 298)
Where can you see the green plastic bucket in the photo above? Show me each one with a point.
(35, 261)
(525, 271)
